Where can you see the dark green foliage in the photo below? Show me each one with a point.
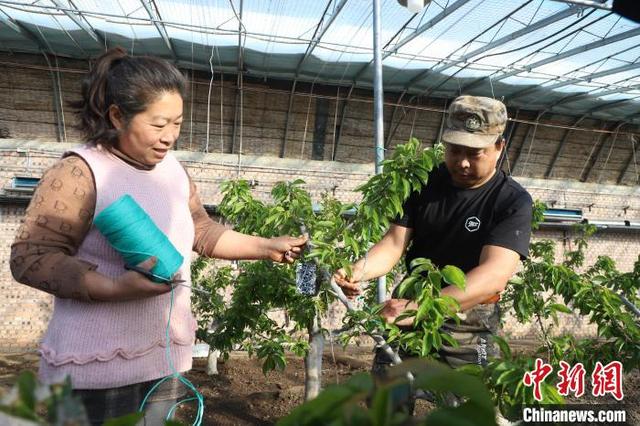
(538, 214)
(545, 288)
(208, 308)
(344, 404)
(52, 405)
(423, 285)
(340, 234)
(504, 377)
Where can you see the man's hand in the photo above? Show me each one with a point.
(350, 285)
(285, 249)
(382, 257)
(394, 307)
(488, 279)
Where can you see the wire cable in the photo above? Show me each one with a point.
(475, 61)
(635, 160)
(176, 375)
(606, 161)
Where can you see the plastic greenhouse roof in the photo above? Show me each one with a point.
(537, 54)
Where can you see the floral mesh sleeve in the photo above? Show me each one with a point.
(56, 221)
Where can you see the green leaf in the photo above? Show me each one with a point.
(128, 420)
(381, 407)
(422, 174)
(437, 340)
(509, 376)
(27, 384)
(405, 285)
(268, 365)
(407, 188)
(449, 339)
(397, 205)
(423, 310)
(327, 406)
(427, 343)
(435, 278)
(449, 305)
(427, 162)
(505, 350)
(406, 314)
(281, 362)
(453, 276)
(560, 308)
(418, 261)
(437, 377)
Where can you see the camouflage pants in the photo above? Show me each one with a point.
(475, 346)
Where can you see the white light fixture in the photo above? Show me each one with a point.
(414, 6)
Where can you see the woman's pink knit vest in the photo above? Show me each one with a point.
(111, 344)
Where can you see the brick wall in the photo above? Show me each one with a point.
(254, 124)
(24, 312)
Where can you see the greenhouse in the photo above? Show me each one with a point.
(339, 212)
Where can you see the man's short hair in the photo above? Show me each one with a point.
(475, 121)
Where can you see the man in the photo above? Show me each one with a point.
(469, 215)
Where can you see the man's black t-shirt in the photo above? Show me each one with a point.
(451, 225)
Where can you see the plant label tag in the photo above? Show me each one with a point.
(306, 278)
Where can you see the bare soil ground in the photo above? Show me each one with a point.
(242, 395)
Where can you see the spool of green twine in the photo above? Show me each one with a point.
(133, 234)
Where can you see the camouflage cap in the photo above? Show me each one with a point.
(475, 121)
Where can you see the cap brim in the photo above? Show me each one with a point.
(471, 140)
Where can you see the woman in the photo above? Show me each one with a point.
(108, 326)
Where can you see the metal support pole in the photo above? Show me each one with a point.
(588, 3)
(378, 95)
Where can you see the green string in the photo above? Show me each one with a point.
(175, 375)
(133, 234)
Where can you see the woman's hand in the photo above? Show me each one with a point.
(285, 249)
(394, 307)
(129, 286)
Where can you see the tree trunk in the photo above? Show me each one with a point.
(212, 362)
(380, 341)
(313, 361)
